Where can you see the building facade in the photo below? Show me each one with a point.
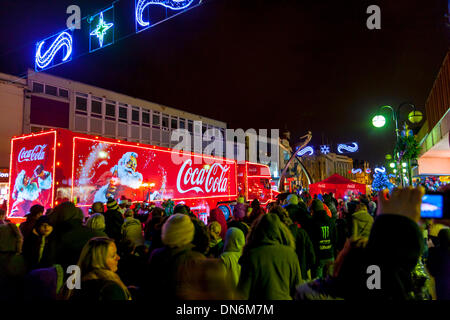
(434, 137)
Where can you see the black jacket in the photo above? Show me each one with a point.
(323, 235)
(113, 224)
(98, 290)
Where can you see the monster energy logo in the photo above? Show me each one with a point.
(325, 232)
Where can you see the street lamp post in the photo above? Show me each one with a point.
(379, 121)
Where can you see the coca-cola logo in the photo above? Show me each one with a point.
(351, 186)
(202, 180)
(37, 153)
(322, 186)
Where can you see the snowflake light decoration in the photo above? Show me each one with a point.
(325, 149)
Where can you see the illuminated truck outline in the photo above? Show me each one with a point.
(63, 152)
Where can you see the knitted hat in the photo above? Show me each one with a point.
(316, 205)
(292, 199)
(112, 204)
(177, 231)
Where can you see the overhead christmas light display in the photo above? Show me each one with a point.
(325, 149)
(170, 4)
(380, 170)
(101, 29)
(306, 150)
(355, 171)
(378, 121)
(351, 147)
(368, 170)
(62, 41)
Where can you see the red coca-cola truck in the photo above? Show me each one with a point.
(57, 165)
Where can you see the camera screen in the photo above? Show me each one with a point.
(432, 206)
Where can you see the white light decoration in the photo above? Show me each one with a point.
(355, 171)
(42, 60)
(101, 29)
(170, 4)
(325, 149)
(380, 170)
(306, 150)
(352, 147)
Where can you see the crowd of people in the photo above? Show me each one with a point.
(299, 248)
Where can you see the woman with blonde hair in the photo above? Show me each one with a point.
(96, 222)
(98, 265)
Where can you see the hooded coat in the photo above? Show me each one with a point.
(68, 237)
(269, 264)
(234, 243)
(132, 231)
(217, 215)
(362, 223)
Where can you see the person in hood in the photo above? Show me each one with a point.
(216, 243)
(26, 227)
(68, 237)
(323, 237)
(36, 243)
(12, 263)
(303, 245)
(132, 229)
(232, 251)
(256, 211)
(240, 209)
(217, 215)
(269, 264)
(168, 267)
(362, 221)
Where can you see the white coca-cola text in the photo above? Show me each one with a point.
(37, 153)
(202, 180)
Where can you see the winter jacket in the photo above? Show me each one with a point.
(269, 265)
(215, 248)
(113, 224)
(132, 231)
(362, 223)
(169, 272)
(98, 290)
(304, 249)
(323, 235)
(234, 243)
(26, 227)
(244, 227)
(33, 249)
(44, 284)
(66, 241)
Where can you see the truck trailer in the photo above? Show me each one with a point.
(59, 165)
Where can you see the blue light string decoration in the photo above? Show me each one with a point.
(306, 150)
(355, 171)
(66, 39)
(353, 147)
(170, 4)
(62, 41)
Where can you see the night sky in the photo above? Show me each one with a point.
(301, 65)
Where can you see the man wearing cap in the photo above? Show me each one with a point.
(113, 220)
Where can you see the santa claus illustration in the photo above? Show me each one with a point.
(121, 176)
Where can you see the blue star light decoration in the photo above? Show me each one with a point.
(101, 29)
(325, 149)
